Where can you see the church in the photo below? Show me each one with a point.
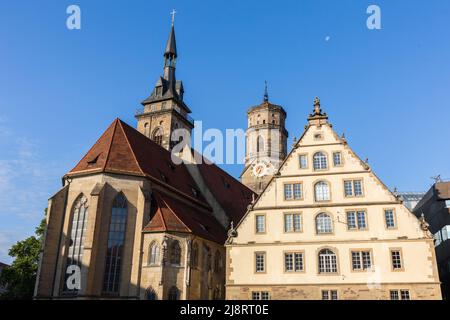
(312, 223)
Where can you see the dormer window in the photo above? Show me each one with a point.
(93, 160)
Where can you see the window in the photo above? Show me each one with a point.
(322, 191)
(303, 161)
(260, 295)
(356, 220)
(396, 257)
(206, 258)
(337, 159)
(77, 236)
(400, 295)
(116, 239)
(361, 260)
(329, 295)
(327, 261)
(158, 136)
(320, 161)
(146, 129)
(260, 262)
(154, 254)
(175, 253)
(293, 262)
(389, 217)
(324, 224)
(260, 144)
(260, 223)
(173, 293)
(194, 256)
(150, 294)
(293, 191)
(292, 222)
(353, 188)
(217, 262)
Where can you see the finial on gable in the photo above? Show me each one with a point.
(317, 117)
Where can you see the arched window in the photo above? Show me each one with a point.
(78, 228)
(260, 144)
(217, 262)
(320, 161)
(157, 136)
(154, 254)
(116, 240)
(322, 191)
(175, 253)
(194, 256)
(324, 224)
(206, 258)
(147, 129)
(150, 294)
(173, 293)
(327, 261)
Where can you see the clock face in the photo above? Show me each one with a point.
(262, 168)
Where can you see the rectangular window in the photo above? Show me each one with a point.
(396, 257)
(329, 295)
(400, 295)
(293, 262)
(293, 191)
(361, 260)
(353, 188)
(303, 160)
(337, 159)
(260, 223)
(260, 262)
(292, 222)
(389, 216)
(394, 295)
(260, 295)
(356, 220)
(404, 294)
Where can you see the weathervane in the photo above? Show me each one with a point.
(173, 13)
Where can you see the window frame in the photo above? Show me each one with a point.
(330, 196)
(332, 224)
(294, 253)
(299, 161)
(327, 161)
(356, 211)
(153, 244)
(341, 159)
(361, 259)
(352, 181)
(285, 214)
(336, 254)
(394, 215)
(263, 215)
(255, 267)
(402, 261)
(292, 190)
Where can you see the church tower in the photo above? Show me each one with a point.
(266, 143)
(165, 111)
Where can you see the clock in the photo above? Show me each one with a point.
(262, 168)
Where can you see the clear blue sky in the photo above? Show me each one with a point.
(388, 90)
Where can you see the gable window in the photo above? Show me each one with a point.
(292, 222)
(77, 237)
(389, 217)
(260, 262)
(154, 254)
(322, 191)
(175, 253)
(396, 258)
(293, 262)
(329, 295)
(320, 161)
(324, 224)
(327, 261)
(361, 260)
(260, 223)
(337, 159)
(353, 188)
(116, 240)
(356, 220)
(303, 161)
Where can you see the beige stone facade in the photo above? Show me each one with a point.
(348, 230)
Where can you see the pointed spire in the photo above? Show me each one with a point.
(171, 47)
(266, 92)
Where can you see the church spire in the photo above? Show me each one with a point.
(170, 54)
(266, 92)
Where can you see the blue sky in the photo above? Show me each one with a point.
(388, 89)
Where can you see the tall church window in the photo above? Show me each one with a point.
(327, 261)
(147, 129)
(194, 256)
(324, 224)
(77, 237)
(175, 253)
(174, 293)
(260, 144)
(320, 161)
(322, 191)
(158, 136)
(217, 262)
(116, 240)
(154, 254)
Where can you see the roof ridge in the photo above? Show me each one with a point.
(129, 145)
(110, 144)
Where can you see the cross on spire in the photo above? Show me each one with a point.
(173, 13)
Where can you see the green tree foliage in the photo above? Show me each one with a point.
(20, 277)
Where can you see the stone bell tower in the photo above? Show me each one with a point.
(165, 111)
(266, 144)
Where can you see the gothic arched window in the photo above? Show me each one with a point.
(78, 228)
(147, 129)
(154, 254)
(320, 161)
(157, 136)
(150, 294)
(217, 262)
(194, 256)
(206, 258)
(324, 224)
(116, 240)
(327, 261)
(260, 144)
(322, 191)
(174, 293)
(175, 253)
